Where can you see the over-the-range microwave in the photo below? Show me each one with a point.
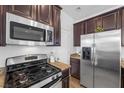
(23, 31)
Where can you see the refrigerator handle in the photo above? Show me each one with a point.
(92, 55)
(95, 57)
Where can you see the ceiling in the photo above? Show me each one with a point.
(80, 12)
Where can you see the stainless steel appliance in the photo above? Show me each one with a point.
(23, 31)
(100, 59)
(32, 71)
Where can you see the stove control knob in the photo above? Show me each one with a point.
(53, 78)
(57, 76)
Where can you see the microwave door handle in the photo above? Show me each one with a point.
(46, 36)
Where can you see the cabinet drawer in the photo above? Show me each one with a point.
(65, 82)
(74, 60)
(75, 68)
(65, 73)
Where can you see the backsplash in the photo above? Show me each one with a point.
(122, 52)
(77, 50)
(62, 52)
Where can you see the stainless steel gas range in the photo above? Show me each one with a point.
(31, 71)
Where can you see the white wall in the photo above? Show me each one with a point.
(63, 52)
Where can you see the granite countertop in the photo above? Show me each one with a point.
(2, 77)
(122, 63)
(60, 65)
(75, 56)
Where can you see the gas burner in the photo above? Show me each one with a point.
(20, 77)
(23, 78)
(43, 67)
(48, 70)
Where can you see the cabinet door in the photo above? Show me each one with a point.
(90, 26)
(65, 82)
(122, 26)
(57, 25)
(1, 25)
(28, 11)
(109, 21)
(78, 29)
(65, 78)
(122, 77)
(119, 19)
(98, 21)
(75, 68)
(45, 14)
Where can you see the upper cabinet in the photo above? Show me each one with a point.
(98, 21)
(57, 25)
(90, 26)
(44, 14)
(109, 21)
(98, 24)
(104, 22)
(122, 26)
(27, 11)
(1, 25)
(78, 30)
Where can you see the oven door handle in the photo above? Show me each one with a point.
(56, 83)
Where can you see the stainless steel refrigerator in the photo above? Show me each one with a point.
(100, 59)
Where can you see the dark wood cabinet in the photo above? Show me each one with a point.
(122, 27)
(47, 14)
(44, 14)
(119, 19)
(78, 30)
(98, 23)
(65, 78)
(122, 77)
(109, 21)
(1, 25)
(104, 22)
(27, 11)
(65, 82)
(75, 68)
(90, 26)
(57, 25)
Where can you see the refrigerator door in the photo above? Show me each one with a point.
(86, 64)
(107, 59)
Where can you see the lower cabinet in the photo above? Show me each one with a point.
(65, 78)
(75, 68)
(122, 77)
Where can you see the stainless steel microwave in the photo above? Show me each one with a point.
(23, 31)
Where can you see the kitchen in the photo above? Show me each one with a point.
(20, 36)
